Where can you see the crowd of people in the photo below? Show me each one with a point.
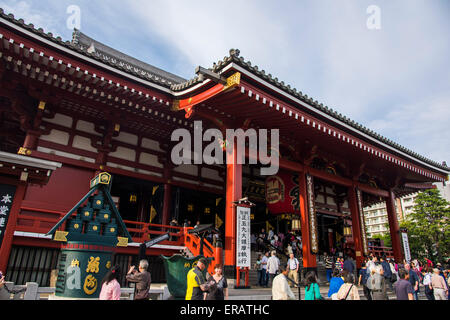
(287, 243)
(377, 276)
(199, 287)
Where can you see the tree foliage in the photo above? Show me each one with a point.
(429, 226)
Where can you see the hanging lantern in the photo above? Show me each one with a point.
(190, 207)
(133, 198)
(347, 230)
(296, 224)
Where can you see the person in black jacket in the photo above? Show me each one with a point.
(387, 271)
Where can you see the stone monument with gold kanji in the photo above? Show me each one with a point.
(93, 228)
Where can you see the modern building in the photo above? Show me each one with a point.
(86, 108)
(376, 215)
(376, 218)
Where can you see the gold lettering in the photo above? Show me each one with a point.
(93, 265)
(90, 284)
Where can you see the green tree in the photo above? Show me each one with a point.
(428, 226)
(386, 237)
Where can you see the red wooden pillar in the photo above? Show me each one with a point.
(394, 227)
(31, 140)
(356, 226)
(5, 249)
(233, 193)
(309, 259)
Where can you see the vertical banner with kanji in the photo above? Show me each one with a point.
(243, 255)
(406, 246)
(6, 200)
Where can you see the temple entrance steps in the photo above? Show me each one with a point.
(253, 273)
(321, 271)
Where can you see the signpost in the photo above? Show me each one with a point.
(243, 254)
(243, 243)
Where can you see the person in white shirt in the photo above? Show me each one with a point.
(371, 264)
(289, 249)
(280, 286)
(265, 274)
(273, 264)
(270, 234)
(292, 266)
(427, 283)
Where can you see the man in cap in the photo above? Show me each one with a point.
(196, 281)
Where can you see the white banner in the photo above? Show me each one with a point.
(406, 247)
(243, 254)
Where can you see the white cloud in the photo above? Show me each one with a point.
(420, 125)
(29, 13)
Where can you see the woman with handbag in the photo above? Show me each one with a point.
(348, 290)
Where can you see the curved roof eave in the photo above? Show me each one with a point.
(234, 61)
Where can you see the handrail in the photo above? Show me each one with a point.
(193, 243)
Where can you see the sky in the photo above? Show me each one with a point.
(393, 79)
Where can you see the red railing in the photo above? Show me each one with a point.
(144, 231)
(193, 243)
(380, 251)
(42, 220)
(139, 231)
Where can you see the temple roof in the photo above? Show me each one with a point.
(234, 57)
(120, 61)
(91, 48)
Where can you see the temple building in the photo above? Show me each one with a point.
(72, 109)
